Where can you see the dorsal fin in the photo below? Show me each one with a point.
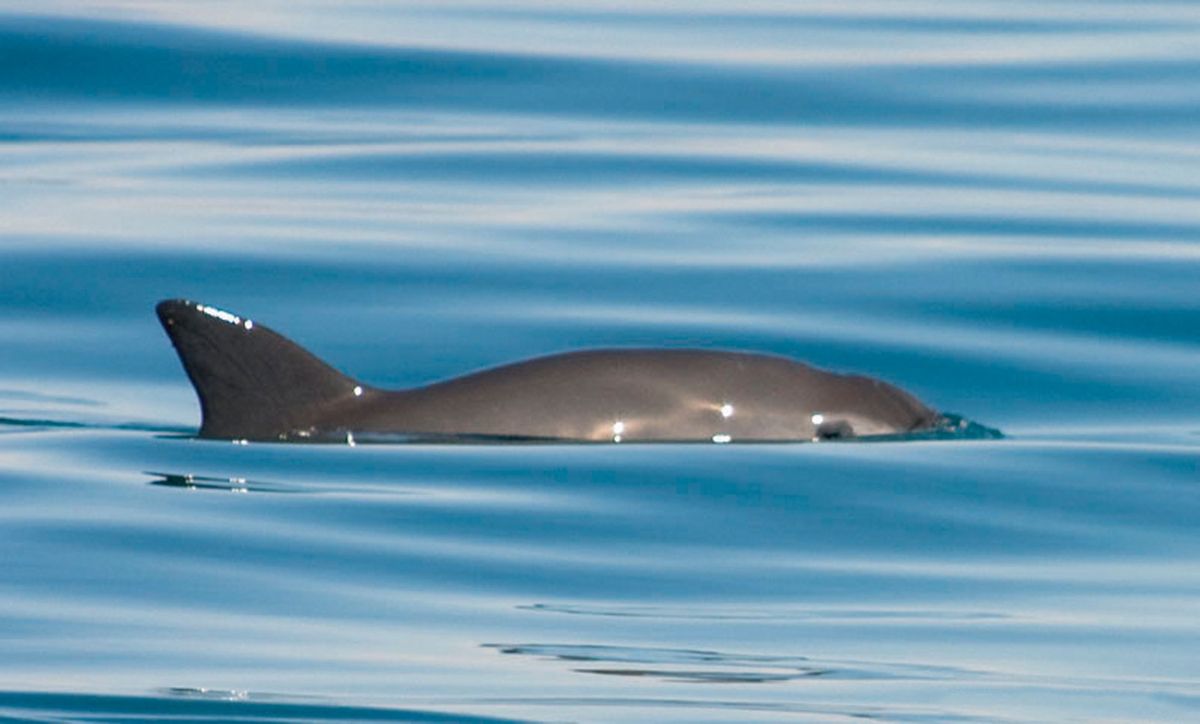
(253, 383)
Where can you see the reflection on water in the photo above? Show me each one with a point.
(990, 205)
(710, 667)
(882, 615)
(203, 482)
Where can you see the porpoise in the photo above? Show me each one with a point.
(255, 384)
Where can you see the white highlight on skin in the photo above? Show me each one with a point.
(727, 410)
(722, 438)
(222, 315)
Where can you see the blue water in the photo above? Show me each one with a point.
(993, 205)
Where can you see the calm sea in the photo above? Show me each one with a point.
(995, 205)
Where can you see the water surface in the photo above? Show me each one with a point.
(991, 205)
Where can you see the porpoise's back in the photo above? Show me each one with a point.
(253, 383)
(659, 394)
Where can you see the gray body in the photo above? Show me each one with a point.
(255, 384)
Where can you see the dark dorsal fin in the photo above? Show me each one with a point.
(253, 383)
